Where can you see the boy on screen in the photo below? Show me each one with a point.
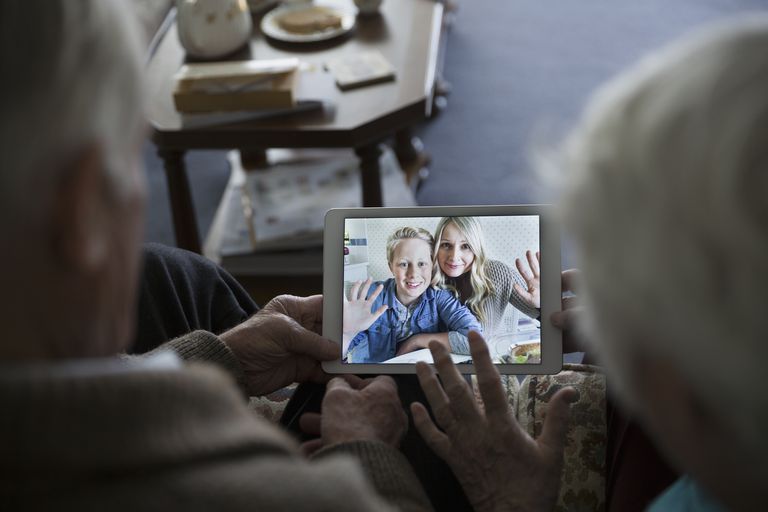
(398, 313)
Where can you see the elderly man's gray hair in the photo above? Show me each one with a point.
(71, 76)
(668, 198)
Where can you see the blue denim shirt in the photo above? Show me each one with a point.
(436, 311)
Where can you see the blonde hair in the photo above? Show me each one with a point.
(482, 286)
(672, 161)
(407, 233)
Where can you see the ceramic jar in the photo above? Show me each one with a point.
(209, 29)
(368, 7)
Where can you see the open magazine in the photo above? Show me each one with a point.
(286, 204)
(283, 207)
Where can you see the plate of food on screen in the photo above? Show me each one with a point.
(525, 353)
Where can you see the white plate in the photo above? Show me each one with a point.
(271, 28)
(502, 345)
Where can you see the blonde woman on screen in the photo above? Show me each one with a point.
(484, 285)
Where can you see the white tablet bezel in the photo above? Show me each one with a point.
(333, 282)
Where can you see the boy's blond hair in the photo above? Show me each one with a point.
(406, 233)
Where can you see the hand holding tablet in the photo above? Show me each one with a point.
(417, 274)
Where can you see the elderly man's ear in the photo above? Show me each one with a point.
(81, 223)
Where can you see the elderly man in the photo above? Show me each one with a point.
(84, 429)
(666, 198)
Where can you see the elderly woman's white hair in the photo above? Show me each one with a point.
(59, 90)
(668, 202)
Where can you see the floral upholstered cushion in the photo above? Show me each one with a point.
(583, 484)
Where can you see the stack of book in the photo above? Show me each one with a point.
(212, 94)
(236, 86)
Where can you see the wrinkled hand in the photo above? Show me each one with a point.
(307, 311)
(532, 275)
(280, 344)
(567, 318)
(357, 410)
(357, 315)
(499, 466)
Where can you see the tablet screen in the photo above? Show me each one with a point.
(438, 278)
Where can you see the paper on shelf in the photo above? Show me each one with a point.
(289, 194)
(290, 199)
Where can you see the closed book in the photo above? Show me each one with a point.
(224, 76)
(359, 70)
(271, 92)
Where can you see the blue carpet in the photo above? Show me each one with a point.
(521, 71)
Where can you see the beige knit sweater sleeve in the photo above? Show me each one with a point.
(504, 278)
(179, 439)
(388, 470)
(383, 466)
(203, 346)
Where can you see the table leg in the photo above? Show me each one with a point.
(442, 86)
(182, 208)
(370, 174)
(253, 159)
(412, 157)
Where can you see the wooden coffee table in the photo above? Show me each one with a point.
(406, 32)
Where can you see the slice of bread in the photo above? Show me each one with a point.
(310, 20)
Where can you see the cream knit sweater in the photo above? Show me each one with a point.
(503, 278)
(179, 439)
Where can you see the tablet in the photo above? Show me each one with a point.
(395, 278)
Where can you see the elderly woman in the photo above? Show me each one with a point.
(666, 197)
